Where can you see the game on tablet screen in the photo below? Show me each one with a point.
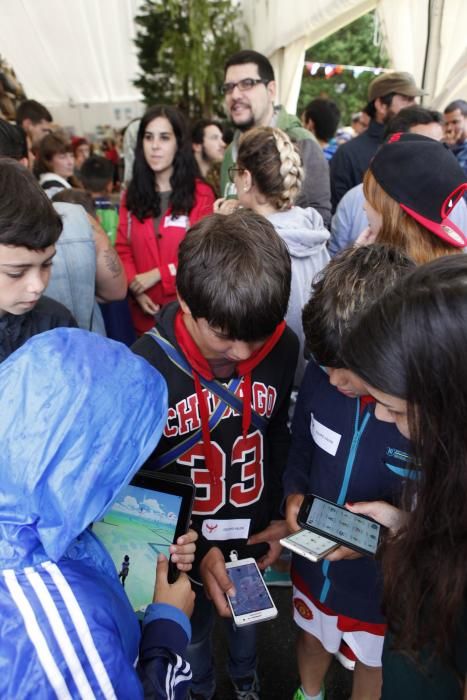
(139, 524)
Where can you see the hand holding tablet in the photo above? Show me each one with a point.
(147, 517)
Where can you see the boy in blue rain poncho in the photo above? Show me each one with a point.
(80, 414)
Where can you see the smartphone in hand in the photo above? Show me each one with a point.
(326, 518)
(252, 601)
(309, 545)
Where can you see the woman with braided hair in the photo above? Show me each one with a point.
(268, 176)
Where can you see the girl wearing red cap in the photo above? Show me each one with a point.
(410, 188)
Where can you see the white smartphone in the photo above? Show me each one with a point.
(309, 545)
(252, 602)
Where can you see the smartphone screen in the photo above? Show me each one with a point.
(340, 523)
(251, 592)
(312, 542)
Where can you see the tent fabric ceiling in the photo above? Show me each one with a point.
(83, 52)
(406, 30)
(80, 51)
(283, 30)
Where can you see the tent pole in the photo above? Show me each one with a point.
(433, 49)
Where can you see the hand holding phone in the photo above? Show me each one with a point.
(309, 545)
(251, 602)
(384, 513)
(292, 509)
(271, 535)
(336, 522)
(216, 580)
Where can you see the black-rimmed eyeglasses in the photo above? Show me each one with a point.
(232, 170)
(243, 85)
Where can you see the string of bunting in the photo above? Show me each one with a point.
(331, 69)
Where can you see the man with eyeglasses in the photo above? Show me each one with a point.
(250, 90)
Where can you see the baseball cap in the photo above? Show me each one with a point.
(424, 177)
(396, 81)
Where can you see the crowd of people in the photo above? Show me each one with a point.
(291, 301)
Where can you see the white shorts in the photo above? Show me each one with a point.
(331, 629)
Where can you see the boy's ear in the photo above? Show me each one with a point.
(310, 125)
(183, 305)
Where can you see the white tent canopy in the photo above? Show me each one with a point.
(79, 59)
(424, 37)
(284, 30)
(427, 38)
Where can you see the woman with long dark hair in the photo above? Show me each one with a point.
(409, 349)
(163, 199)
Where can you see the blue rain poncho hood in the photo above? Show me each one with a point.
(80, 415)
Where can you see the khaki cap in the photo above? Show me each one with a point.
(397, 81)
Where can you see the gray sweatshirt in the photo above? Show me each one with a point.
(305, 235)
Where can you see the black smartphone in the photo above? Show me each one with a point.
(339, 524)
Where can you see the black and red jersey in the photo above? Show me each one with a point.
(240, 493)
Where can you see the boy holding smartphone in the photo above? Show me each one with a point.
(341, 452)
(229, 362)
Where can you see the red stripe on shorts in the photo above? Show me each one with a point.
(344, 623)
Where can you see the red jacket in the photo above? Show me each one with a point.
(140, 250)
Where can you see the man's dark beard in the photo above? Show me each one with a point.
(246, 126)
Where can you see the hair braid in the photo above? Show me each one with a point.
(291, 169)
(274, 163)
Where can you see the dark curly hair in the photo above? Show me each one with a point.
(142, 197)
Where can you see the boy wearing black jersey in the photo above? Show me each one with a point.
(229, 361)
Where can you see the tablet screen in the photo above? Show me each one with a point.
(138, 525)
